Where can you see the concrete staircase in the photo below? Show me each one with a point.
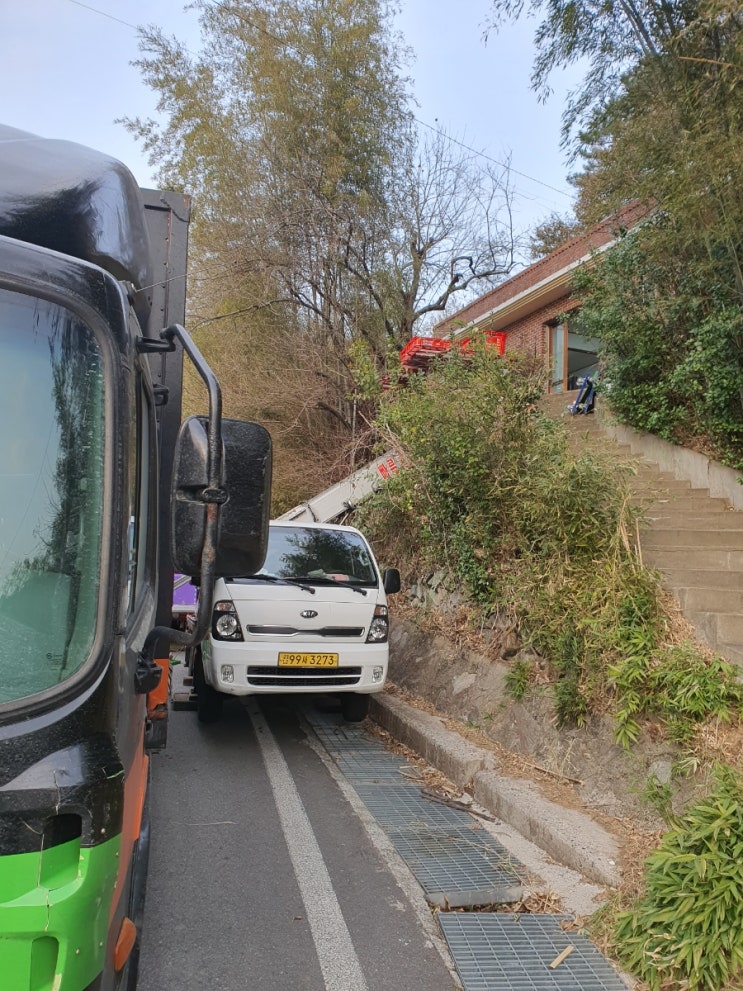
(693, 539)
(696, 542)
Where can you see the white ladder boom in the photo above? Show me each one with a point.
(346, 494)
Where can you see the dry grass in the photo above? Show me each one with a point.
(513, 764)
(463, 628)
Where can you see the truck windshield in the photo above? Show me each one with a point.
(51, 493)
(306, 552)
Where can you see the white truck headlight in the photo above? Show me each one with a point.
(379, 627)
(225, 624)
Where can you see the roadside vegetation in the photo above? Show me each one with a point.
(671, 325)
(492, 492)
(657, 119)
(685, 931)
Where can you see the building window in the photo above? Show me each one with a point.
(572, 354)
(140, 540)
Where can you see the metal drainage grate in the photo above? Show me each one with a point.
(370, 769)
(501, 952)
(456, 862)
(338, 745)
(458, 870)
(339, 739)
(332, 721)
(399, 806)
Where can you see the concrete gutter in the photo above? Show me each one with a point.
(569, 836)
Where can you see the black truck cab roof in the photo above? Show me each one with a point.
(72, 199)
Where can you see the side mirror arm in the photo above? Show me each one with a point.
(147, 675)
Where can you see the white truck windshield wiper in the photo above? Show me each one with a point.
(299, 582)
(329, 580)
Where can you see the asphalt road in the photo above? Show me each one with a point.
(266, 874)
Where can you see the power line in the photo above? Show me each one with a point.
(103, 13)
(481, 154)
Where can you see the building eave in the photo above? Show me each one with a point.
(548, 290)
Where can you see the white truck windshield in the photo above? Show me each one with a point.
(51, 493)
(310, 553)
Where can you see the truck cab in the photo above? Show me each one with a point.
(313, 619)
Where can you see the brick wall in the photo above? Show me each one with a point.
(529, 335)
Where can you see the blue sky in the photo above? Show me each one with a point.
(65, 71)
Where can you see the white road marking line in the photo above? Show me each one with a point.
(336, 955)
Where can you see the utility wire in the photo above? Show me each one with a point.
(103, 13)
(482, 154)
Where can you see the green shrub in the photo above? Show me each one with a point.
(677, 684)
(688, 927)
(519, 679)
(671, 332)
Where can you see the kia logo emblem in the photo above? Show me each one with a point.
(308, 614)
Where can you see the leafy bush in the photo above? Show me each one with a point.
(687, 927)
(491, 492)
(468, 453)
(671, 332)
(677, 684)
(519, 679)
(710, 374)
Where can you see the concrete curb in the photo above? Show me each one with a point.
(569, 836)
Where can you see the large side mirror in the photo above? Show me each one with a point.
(243, 525)
(244, 516)
(391, 580)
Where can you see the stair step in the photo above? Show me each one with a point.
(731, 653)
(647, 475)
(719, 581)
(651, 469)
(693, 559)
(692, 537)
(668, 518)
(666, 489)
(669, 493)
(730, 628)
(700, 599)
(719, 627)
(682, 504)
(587, 420)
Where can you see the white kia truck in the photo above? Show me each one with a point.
(312, 620)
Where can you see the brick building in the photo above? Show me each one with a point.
(537, 311)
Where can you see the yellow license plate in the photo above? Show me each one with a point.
(288, 660)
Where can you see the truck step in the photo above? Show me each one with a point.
(181, 701)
